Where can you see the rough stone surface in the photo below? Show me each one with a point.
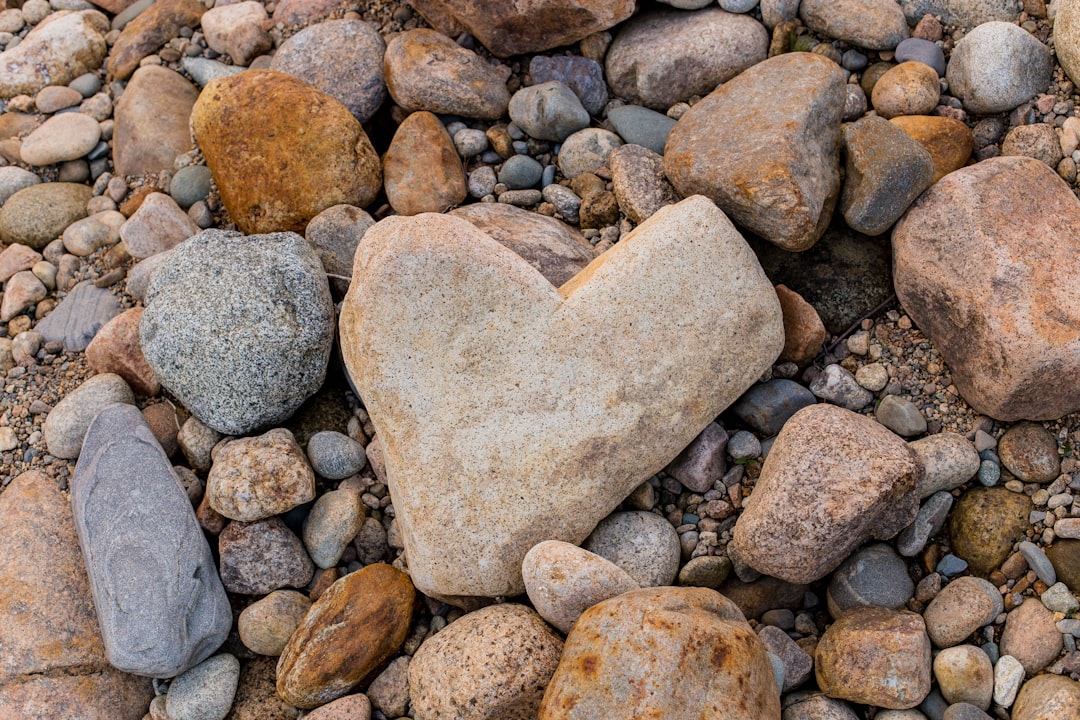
(823, 492)
(350, 707)
(263, 556)
(873, 575)
(1030, 452)
(79, 316)
(639, 183)
(1030, 636)
(334, 234)
(984, 524)
(910, 88)
(266, 625)
(765, 147)
(948, 140)
(804, 333)
(52, 661)
(206, 691)
(257, 477)
(153, 27)
(1048, 696)
(500, 299)
(798, 666)
(583, 75)
(240, 357)
(1067, 37)
(1008, 349)
(998, 66)
(871, 24)
(965, 675)
(965, 13)
(247, 141)
(641, 543)
(55, 52)
(949, 460)
(875, 656)
(237, 30)
(962, 607)
(66, 423)
(157, 226)
(663, 57)
(548, 111)
(160, 603)
(37, 215)
(256, 695)
(116, 349)
(354, 626)
(421, 170)
(671, 644)
(703, 462)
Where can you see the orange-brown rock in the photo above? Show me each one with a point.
(116, 349)
(52, 660)
(948, 141)
(421, 170)
(1048, 697)
(276, 170)
(151, 29)
(359, 622)
(646, 653)
(875, 656)
(984, 273)
(910, 88)
(804, 333)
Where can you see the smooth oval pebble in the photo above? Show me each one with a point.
(332, 523)
(1030, 452)
(67, 136)
(924, 51)
(962, 607)
(334, 455)
(586, 150)
(965, 675)
(66, 423)
(266, 625)
(206, 691)
(641, 543)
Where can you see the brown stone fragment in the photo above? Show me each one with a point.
(116, 349)
(151, 29)
(356, 624)
(948, 141)
(983, 525)
(257, 477)
(804, 333)
(1048, 697)
(256, 697)
(422, 171)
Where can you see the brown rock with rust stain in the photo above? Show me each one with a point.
(765, 147)
(948, 141)
(983, 525)
(256, 477)
(116, 349)
(359, 622)
(514, 28)
(875, 656)
(52, 660)
(276, 170)
(669, 644)
(492, 664)
(422, 170)
(833, 480)
(985, 274)
(804, 333)
(151, 29)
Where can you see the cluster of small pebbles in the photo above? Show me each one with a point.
(308, 408)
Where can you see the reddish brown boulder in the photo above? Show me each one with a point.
(116, 349)
(422, 170)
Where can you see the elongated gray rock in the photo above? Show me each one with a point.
(159, 600)
(554, 396)
(765, 148)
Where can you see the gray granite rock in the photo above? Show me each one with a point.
(260, 557)
(872, 575)
(79, 316)
(998, 66)
(160, 603)
(641, 543)
(67, 423)
(206, 691)
(239, 355)
(334, 455)
(335, 233)
(548, 111)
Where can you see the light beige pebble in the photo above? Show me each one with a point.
(965, 675)
(68, 136)
(266, 625)
(949, 460)
(257, 477)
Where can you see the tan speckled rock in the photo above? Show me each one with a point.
(422, 171)
(563, 581)
(578, 393)
(910, 88)
(804, 333)
(676, 653)
(116, 349)
(266, 625)
(55, 52)
(357, 623)
(492, 664)
(962, 607)
(350, 707)
(277, 170)
(766, 148)
(254, 478)
(875, 656)
(1008, 349)
(152, 121)
(983, 525)
(833, 480)
(965, 675)
(256, 697)
(1048, 697)
(1031, 636)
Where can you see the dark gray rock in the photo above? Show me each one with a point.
(548, 111)
(239, 328)
(964, 711)
(335, 456)
(872, 575)
(520, 172)
(767, 406)
(965, 13)
(190, 185)
(638, 125)
(343, 58)
(582, 75)
(924, 51)
(206, 691)
(928, 523)
(260, 557)
(798, 666)
(702, 463)
(159, 600)
(203, 70)
(79, 316)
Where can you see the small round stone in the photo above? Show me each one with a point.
(520, 172)
(335, 455)
(901, 416)
(873, 575)
(470, 142)
(924, 51)
(874, 377)
(744, 445)
(965, 675)
(206, 691)
(910, 88)
(989, 473)
(586, 150)
(643, 544)
(705, 571)
(1029, 452)
(265, 626)
(481, 182)
(190, 185)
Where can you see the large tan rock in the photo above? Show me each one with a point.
(515, 28)
(1048, 697)
(766, 148)
(833, 480)
(152, 121)
(52, 660)
(991, 279)
(257, 477)
(492, 664)
(62, 47)
(483, 380)
(422, 171)
(276, 170)
(151, 29)
(676, 653)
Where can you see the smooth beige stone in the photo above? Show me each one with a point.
(512, 412)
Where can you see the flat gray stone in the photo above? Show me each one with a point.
(641, 126)
(928, 522)
(79, 316)
(998, 66)
(159, 600)
(548, 111)
(872, 575)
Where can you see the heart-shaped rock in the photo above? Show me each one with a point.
(512, 412)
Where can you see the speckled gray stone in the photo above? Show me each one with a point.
(900, 415)
(520, 172)
(548, 111)
(160, 603)
(335, 233)
(872, 575)
(202, 70)
(239, 355)
(641, 543)
(334, 455)
(79, 316)
(998, 66)
(66, 424)
(206, 691)
(586, 150)
(928, 522)
(582, 75)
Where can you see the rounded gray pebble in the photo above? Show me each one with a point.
(586, 150)
(924, 51)
(548, 111)
(334, 455)
(989, 473)
(206, 691)
(470, 142)
(1037, 561)
(641, 543)
(190, 185)
(520, 172)
(66, 424)
(481, 182)
(873, 575)
(744, 445)
(565, 200)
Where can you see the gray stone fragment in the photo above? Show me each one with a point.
(66, 423)
(812, 705)
(638, 125)
(702, 463)
(1037, 561)
(641, 543)
(931, 518)
(767, 406)
(900, 415)
(259, 557)
(1058, 598)
(206, 691)
(334, 455)
(160, 603)
(774, 12)
(998, 66)
(548, 111)
(798, 666)
(923, 51)
(335, 233)
(202, 70)
(78, 317)
(948, 461)
(966, 13)
(838, 386)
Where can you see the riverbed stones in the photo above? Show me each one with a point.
(146, 33)
(948, 140)
(160, 603)
(639, 183)
(670, 644)
(421, 170)
(332, 523)
(875, 656)
(965, 675)
(354, 626)
(820, 496)
(158, 225)
(52, 661)
(984, 524)
(948, 459)
(37, 215)
(1067, 37)
(246, 142)
(641, 543)
(116, 349)
(1006, 350)
(870, 24)
(67, 136)
(425, 70)
(66, 424)
(1030, 636)
(79, 316)
(262, 556)
(266, 625)
(524, 329)
(257, 477)
(873, 575)
(998, 66)
(206, 691)
(237, 30)
(55, 52)
(663, 57)
(962, 607)
(583, 75)
(548, 111)
(765, 147)
(910, 88)
(239, 356)
(151, 121)
(1030, 452)
(1048, 696)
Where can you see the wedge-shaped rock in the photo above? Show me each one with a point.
(833, 480)
(485, 382)
(648, 652)
(765, 147)
(159, 600)
(991, 279)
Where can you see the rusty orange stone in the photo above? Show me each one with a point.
(948, 141)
